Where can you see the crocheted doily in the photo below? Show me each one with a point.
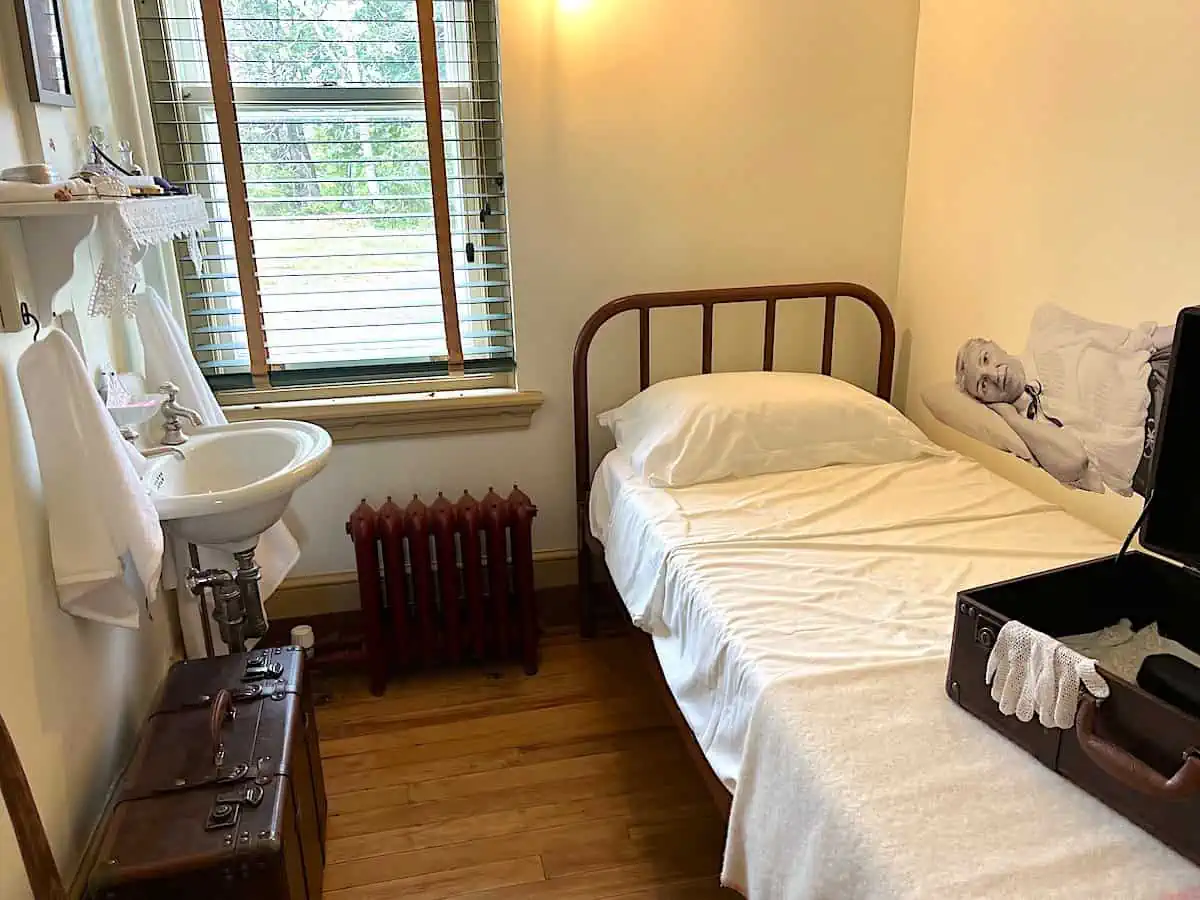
(129, 225)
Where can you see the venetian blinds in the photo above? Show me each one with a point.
(345, 243)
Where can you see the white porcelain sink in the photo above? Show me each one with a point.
(234, 481)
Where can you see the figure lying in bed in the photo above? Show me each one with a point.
(1081, 402)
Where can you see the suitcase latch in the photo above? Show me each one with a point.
(259, 669)
(228, 806)
(986, 632)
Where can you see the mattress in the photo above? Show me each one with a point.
(798, 574)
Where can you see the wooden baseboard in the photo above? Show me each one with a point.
(307, 596)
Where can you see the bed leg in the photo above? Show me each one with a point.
(587, 593)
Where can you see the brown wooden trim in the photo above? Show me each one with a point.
(827, 340)
(40, 868)
(707, 339)
(720, 794)
(235, 181)
(427, 30)
(769, 337)
(645, 302)
(644, 347)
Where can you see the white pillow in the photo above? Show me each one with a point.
(952, 407)
(737, 424)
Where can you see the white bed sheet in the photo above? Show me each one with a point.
(801, 573)
(761, 591)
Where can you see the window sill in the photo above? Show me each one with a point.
(403, 415)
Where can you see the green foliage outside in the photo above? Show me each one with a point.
(321, 161)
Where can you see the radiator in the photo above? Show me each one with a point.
(446, 583)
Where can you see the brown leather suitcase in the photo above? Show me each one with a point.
(249, 677)
(1134, 751)
(219, 799)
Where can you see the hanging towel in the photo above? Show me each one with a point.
(168, 357)
(106, 544)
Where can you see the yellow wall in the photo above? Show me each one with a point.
(656, 146)
(72, 692)
(1053, 159)
(649, 147)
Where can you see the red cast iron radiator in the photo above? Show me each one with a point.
(447, 582)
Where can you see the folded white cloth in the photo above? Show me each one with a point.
(1032, 673)
(168, 357)
(24, 192)
(106, 544)
(1121, 650)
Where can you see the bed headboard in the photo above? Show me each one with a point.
(771, 295)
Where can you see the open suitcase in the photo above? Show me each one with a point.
(1137, 751)
(224, 796)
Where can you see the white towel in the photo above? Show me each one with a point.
(168, 357)
(106, 543)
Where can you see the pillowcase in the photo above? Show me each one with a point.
(736, 424)
(952, 407)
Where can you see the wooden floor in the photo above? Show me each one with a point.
(570, 784)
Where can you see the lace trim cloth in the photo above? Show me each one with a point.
(1032, 673)
(130, 225)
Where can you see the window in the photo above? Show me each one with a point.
(349, 273)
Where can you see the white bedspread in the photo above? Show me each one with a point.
(870, 783)
(800, 617)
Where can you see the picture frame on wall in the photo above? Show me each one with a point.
(40, 28)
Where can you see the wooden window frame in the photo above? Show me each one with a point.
(431, 97)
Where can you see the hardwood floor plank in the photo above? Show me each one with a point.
(410, 772)
(707, 888)
(620, 766)
(564, 661)
(568, 785)
(387, 718)
(560, 722)
(514, 874)
(646, 807)
(605, 883)
(442, 809)
(522, 843)
(677, 842)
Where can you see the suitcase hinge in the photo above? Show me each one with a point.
(227, 807)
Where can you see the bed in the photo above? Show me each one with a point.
(799, 622)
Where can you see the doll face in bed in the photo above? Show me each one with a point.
(989, 373)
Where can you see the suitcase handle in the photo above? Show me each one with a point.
(222, 709)
(1127, 768)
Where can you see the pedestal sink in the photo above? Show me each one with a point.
(234, 481)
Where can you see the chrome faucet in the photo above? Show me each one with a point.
(172, 412)
(151, 452)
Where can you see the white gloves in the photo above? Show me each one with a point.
(1031, 672)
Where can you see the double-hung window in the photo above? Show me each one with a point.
(345, 246)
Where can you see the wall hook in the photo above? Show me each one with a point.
(28, 317)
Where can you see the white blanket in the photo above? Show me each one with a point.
(870, 783)
(814, 609)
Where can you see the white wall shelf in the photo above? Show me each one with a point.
(37, 209)
(38, 244)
